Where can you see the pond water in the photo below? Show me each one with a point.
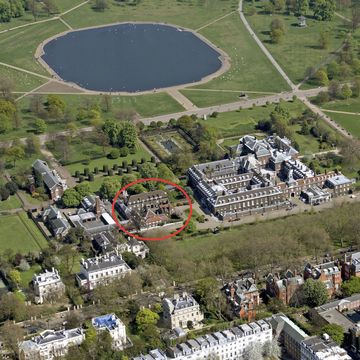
(131, 57)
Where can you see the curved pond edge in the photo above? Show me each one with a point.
(224, 59)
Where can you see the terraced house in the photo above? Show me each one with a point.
(263, 175)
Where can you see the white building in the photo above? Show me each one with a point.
(316, 348)
(138, 248)
(101, 269)
(223, 345)
(114, 326)
(50, 344)
(47, 286)
(180, 310)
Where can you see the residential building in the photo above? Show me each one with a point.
(315, 196)
(263, 175)
(285, 288)
(138, 248)
(55, 221)
(350, 266)
(104, 242)
(50, 344)
(223, 345)
(52, 181)
(244, 297)
(114, 326)
(288, 334)
(101, 269)
(316, 348)
(328, 273)
(181, 310)
(47, 286)
(339, 185)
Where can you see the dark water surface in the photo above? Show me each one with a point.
(131, 57)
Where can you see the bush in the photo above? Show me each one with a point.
(132, 150)
(129, 169)
(91, 177)
(124, 151)
(114, 154)
(120, 171)
(134, 162)
(115, 167)
(214, 114)
(143, 160)
(124, 164)
(4, 193)
(153, 160)
(96, 170)
(81, 179)
(105, 168)
(86, 171)
(110, 172)
(77, 173)
(12, 187)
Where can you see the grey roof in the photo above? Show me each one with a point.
(106, 261)
(339, 180)
(49, 177)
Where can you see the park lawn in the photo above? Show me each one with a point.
(18, 47)
(250, 69)
(20, 234)
(299, 48)
(12, 202)
(350, 105)
(22, 82)
(64, 5)
(141, 153)
(205, 98)
(190, 13)
(350, 123)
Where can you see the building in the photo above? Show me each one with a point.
(350, 266)
(340, 185)
(262, 176)
(52, 181)
(284, 288)
(181, 310)
(328, 273)
(316, 348)
(302, 21)
(244, 297)
(138, 248)
(50, 344)
(223, 345)
(315, 196)
(104, 242)
(101, 269)
(114, 326)
(55, 221)
(288, 334)
(145, 210)
(92, 216)
(47, 286)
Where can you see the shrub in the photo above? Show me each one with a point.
(105, 168)
(124, 164)
(124, 151)
(77, 173)
(129, 169)
(96, 170)
(115, 167)
(110, 172)
(114, 154)
(120, 171)
(86, 172)
(91, 177)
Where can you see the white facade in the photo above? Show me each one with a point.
(50, 344)
(181, 309)
(316, 348)
(101, 269)
(114, 326)
(47, 286)
(223, 345)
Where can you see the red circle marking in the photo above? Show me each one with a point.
(151, 238)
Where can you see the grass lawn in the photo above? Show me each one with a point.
(18, 47)
(350, 105)
(204, 98)
(190, 13)
(141, 153)
(26, 276)
(12, 202)
(250, 69)
(20, 234)
(299, 48)
(351, 123)
(22, 81)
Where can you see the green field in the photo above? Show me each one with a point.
(299, 48)
(351, 123)
(12, 202)
(350, 105)
(26, 276)
(20, 234)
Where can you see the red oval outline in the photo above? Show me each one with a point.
(151, 238)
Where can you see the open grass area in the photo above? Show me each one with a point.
(18, 47)
(20, 234)
(12, 202)
(250, 69)
(350, 105)
(351, 123)
(26, 276)
(299, 48)
(190, 13)
(22, 81)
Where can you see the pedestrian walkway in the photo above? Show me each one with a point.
(181, 99)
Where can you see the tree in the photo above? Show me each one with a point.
(334, 89)
(15, 153)
(100, 5)
(335, 331)
(277, 30)
(71, 198)
(15, 277)
(355, 87)
(6, 87)
(40, 126)
(5, 124)
(301, 7)
(4, 193)
(146, 317)
(109, 188)
(50, 7)
(128, 135)
(11, 335)
(355, 16)
(314, 293)
(5, 11)
(165, 173)
(322, 97)
(346, 92)
(324, 39)
(351, 286)
(323, 9)
(279, 5)
(321, 77)
(32, 146)
(55, 106)
(83, 189)
(107, 102)
(148, 170)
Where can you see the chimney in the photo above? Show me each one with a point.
(97, 207)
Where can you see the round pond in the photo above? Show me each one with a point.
(130, 57)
